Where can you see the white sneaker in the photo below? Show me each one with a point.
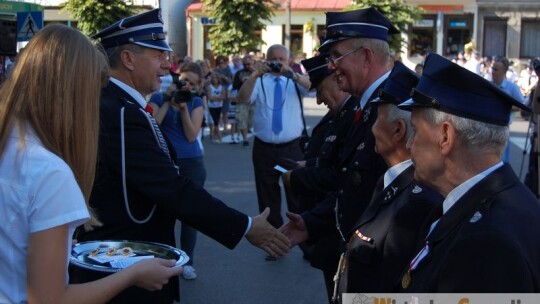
(189, 273)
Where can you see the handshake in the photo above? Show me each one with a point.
(277, 242)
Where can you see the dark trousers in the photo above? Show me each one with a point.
(265, 157)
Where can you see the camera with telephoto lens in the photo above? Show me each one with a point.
(274, 66)
(179, 95)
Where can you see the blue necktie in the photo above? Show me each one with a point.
(277, 124)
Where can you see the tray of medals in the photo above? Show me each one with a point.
(113, 256)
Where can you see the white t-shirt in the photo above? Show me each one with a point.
(38, 191)
(215, 92)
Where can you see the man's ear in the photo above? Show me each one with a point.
(127, 58)
(447, 137)
(400, 130)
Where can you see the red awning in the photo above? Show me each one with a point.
(296, 5)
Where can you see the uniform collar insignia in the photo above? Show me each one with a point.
(476, 217)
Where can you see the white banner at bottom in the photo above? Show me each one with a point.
(441, 298)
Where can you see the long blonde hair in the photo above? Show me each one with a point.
(54, 87)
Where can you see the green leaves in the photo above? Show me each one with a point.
(397, 11)
(237, 23)
(93, 16)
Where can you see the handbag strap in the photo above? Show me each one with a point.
(304, 132)
(301, 107)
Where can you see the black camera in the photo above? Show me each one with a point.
(275, 66)
(179, 95)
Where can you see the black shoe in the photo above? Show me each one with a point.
(245, 143)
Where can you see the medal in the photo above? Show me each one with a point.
(406, 280)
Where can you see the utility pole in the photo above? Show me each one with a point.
(288, 25)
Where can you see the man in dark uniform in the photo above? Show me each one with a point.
(315, 175)
(311, 182)
(384, 238)
(488, 237)
(358, 48)
(139, 192)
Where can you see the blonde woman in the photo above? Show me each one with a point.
(48, 147)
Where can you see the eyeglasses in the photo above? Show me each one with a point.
(334, 61)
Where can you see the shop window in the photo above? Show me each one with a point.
(530, 38)
(297, 36)
(422, 36)
(494, 37)
(458, 29)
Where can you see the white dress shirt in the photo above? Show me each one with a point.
(38, 191)
(264, 107)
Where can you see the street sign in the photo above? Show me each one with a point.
(28, 24)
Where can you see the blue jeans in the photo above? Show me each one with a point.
(195, 170)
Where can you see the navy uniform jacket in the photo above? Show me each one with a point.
(151, 180)
(390, 226)
(327, 140)
(359, 168)
(488, 241)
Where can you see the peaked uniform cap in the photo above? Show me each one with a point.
(317, 69)
(145, 29)
(398, 86)
(362, 23)
(453, 89)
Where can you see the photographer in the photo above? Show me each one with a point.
(276, 94)
(180, 113)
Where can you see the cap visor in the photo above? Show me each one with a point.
(158, 45)
(325, 47)
(407, 104)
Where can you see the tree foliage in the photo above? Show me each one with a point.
(237, 22)
(93, 16)
(397, 11)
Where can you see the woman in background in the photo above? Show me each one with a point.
(181, 117)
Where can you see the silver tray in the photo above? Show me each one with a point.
(79, 253)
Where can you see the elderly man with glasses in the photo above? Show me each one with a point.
(357, 43)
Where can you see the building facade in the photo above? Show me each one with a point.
(497, 27)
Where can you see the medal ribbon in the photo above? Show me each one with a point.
(363, 237)
(419, 257)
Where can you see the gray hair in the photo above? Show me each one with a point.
(478, 137)
(395, 113)
(113, 53)
(380, 48)
(275, 47)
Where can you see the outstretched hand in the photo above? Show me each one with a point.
(295, 230)
(266, 237)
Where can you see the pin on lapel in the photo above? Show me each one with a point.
(390, 193)
(416, 189)
(366, 114)
(476, 217)
(361, 146)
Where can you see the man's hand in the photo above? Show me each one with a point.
(266, 237)
(295, 229)
(286, 176)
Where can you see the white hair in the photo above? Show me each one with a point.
(380, 48)
(395, 113)
(477, 137)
